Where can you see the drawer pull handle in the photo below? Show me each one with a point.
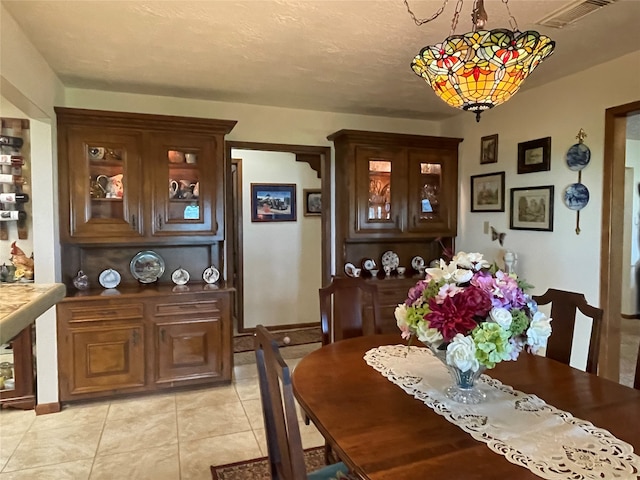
(135, 338)
(162, 335)
(159, 222)
(133, 221)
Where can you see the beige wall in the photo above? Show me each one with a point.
(282, 260)
(559, 259)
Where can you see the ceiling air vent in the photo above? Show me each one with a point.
(573, 12)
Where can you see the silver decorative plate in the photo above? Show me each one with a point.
(147, 266)
(211, 275)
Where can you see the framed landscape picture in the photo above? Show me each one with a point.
(489, 149)
(273, 202)
(487, 192)
(534, 156)
(532, 208)
(312, 202)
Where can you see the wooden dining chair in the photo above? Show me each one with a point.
(284, 444)
(349, 307)
(564, 306)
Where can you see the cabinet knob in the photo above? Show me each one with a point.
(159, 222)
(136, 336)
(133, 221)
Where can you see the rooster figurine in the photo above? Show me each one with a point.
(23, 264)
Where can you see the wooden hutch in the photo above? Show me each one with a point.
(398, 193)
(120, 174)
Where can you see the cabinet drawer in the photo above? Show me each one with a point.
(101, 313)
(189, 306)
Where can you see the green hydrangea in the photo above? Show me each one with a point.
(519, 323)
(433, 288)
(492, 344)
(416, 314)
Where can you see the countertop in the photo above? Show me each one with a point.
(22, 303)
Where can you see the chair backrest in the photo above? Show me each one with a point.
(344, 309)
(284, 444)
(563, 313)
(636, 383)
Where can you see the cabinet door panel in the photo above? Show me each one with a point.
(188, 350)
(107, 358)
(187, 187)
(432, 193)
(379, 194)
(104, 184)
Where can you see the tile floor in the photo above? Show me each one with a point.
(164, 437)
(172, 436)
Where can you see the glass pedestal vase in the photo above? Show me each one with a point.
(464, 388)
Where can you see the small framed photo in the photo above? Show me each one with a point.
(273, 202)
(487, 192)
(534, 156)
(489, 149)
(312, 202)
(532, 208)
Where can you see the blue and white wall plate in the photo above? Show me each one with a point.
(576, 196)
(578, 156)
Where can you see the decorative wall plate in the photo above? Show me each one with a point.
(180, 276)
(390, 259)
(109, 278)
(211, 275)
(576, 196)
(578, 156)
(147, 266)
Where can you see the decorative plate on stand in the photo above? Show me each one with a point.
(109, 278)
(180, 276)
(390, 259)
(211, 275)
(147, 266)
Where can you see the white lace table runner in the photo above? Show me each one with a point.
(549, 442)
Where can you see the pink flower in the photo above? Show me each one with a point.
(448, 290)
(477, 300)
(511, 295)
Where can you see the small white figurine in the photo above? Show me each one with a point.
(510, 260)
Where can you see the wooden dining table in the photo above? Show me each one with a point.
(383, 433)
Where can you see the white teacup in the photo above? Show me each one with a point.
(401, 270)
(387, 270)
(357, 272)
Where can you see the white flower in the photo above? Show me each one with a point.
(449, 273)
(502, 317)
(428, 335)
(401, 320)
(461, 353)
(471, 261)
(538, 332)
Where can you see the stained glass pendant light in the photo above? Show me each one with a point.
(480, 69)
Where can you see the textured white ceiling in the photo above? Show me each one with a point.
(349, 56)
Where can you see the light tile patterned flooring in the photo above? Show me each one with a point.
(172, 436)
(164, 437)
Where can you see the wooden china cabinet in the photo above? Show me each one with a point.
(397, 193)
(131, 183)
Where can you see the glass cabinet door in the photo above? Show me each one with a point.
(430, 193)
(105, 184)
(185, 200)
(379, 196)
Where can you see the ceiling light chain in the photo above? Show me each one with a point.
(478, 70)
(512, 19)
(422, 21)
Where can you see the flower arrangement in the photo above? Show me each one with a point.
(475, 312)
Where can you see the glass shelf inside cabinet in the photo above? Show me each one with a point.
(379, 190)
(431, 178)
(184, 185)
(106, 181)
